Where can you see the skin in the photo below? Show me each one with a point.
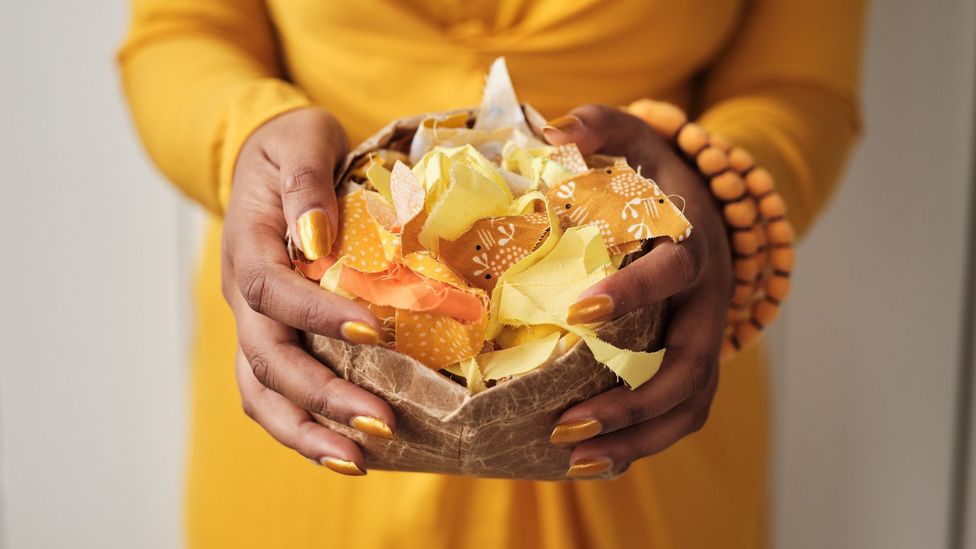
(286, 169)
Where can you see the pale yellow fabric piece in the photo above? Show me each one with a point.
(462, 187)
(634, 367)
(332, 275)
(201, 75)
(543, 292)
(518, 360)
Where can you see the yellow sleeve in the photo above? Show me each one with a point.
(200, 76)
(786, 90)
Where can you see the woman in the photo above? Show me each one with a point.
(248, 106)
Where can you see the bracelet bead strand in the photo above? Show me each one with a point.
(760, 234)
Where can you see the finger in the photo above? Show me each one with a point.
(616, 451)
(669, 268)
(604, 129)
(280, 363)
(306, 161)
(693, 341)
(294, 427)
(269, 286)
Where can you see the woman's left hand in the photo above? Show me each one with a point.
(695, 276)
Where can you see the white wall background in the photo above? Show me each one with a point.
(94, 299)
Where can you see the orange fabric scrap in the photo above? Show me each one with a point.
(403, 288)
(369, 246)
(437, 340)
(626, 207)
(492, 245)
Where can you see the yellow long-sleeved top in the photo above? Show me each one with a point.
(778, 77)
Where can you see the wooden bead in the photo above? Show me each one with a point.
(720, 142)
(740, 160)
(664, 118)
(772, 206)
(712, 161)
(744, 242)
(741, 214)
(745, 268)
(762, 256)
(782, 259)
(765, 312)
(742, 295)
(692, 139)
(736, 315)
(777, 287)
(759, 182)
(780, 232)
(727, 186)
(759, 231)
(746, 333)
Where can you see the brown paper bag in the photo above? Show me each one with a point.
(502, 432)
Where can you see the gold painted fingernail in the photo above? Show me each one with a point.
(588, 467)
(342, 466)
(590, 309)
(372, 426)
(575, 431)
(563, 124)
(359, 332)
(315, 234)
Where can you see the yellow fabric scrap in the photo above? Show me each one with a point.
(541, 295)
(330, 279)
(462, 187)
(379, 176)
(634, 367)
(429, 266)
(518, 360)
(471, 372)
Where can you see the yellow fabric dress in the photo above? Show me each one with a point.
(778, 77)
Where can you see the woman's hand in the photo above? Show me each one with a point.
(284, 180)
(695, 276)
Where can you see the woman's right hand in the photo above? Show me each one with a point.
(284, 180)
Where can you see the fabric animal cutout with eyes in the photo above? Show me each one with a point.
(492, 245)
(627, 207)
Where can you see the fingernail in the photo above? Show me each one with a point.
(563, 124)
(590, 309)
(359, 332)
(372, 427)
(588, 467)
(575, 431)
(342, 466)
(315, 234)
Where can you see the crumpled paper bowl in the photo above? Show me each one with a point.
(502, 432)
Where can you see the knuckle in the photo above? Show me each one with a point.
(699, 374)
(637, 413)
(322, 398)
(644, 282)
(686, 262)
(261, 365)
(299, 179)
(316, 317)
(254, 286)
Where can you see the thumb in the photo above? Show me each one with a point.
(306, 161)
(603, 129)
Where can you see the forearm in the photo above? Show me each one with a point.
(199, 80)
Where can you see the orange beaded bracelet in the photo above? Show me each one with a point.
(760, 235)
